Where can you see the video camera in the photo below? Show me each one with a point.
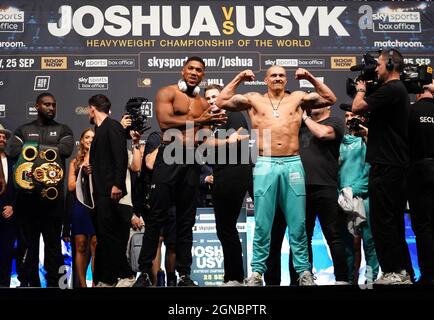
(367, 73)
(136, 110)
(415, 77)
(354, 123)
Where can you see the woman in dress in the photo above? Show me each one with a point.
(83, 231)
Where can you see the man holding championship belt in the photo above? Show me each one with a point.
(41, 147)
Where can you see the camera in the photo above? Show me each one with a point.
(136, 110)
(354, 123)
(367, 73)
(415, 77)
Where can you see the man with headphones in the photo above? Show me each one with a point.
(388, 154)
(175, 179)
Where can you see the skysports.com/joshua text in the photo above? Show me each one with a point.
(222, 62)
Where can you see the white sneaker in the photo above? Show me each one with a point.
(342, 283)
(104, 285)
(255, 280)
(394, 278)
(232, 283)
(306, 279)
(126, 282)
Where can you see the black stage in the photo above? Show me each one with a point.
(223, 302)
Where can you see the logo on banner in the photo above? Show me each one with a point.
(93, 83)
(82, 110)
(287, 62)
(42, 83)
(2, 110)
(31, 111)
(342, 62)
(95, 63)
(396, 22)
(209, 81)
(311, 63)
(148, 106)
(151, 62)
(11, 20)
(306, 84)
(195, 21)
(144, 82)
(54, 63)
(255, 83)
(269, 62)
(387, 20)
(105, 63)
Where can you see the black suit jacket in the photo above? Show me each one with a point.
(8, 197)
(109, 158)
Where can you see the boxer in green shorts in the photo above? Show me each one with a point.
(279, 174)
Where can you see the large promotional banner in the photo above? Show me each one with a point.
(125, 49)
(132, 48)
(207, 268)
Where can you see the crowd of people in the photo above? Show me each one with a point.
(310, 164)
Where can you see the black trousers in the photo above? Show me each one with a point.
(273, 274)
(36, 217)
(387, 201)
(322, 202)
(231, 183)
(171, 184)
(8, 236)
(421, 198)
(112, 229)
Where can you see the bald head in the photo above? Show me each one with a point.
(275, 69)
(276, 79)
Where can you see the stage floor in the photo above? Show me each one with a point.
(221, 302)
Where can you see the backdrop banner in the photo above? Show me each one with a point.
(132, 48)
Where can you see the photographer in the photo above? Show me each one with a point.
(353, 176)
(388, 155)
(421, 180)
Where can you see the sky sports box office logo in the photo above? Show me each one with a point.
(93, 83)
(105, 63)
(401, 21)
(11, 20)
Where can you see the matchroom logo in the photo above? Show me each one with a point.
(54, 63)
(342, 62)
(144, 82)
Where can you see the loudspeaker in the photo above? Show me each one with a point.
(182, 85)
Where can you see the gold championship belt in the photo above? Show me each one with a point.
(23, 168)
(39, 170)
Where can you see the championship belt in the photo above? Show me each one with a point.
(23, 168)
(47, 172)
(39, 170)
